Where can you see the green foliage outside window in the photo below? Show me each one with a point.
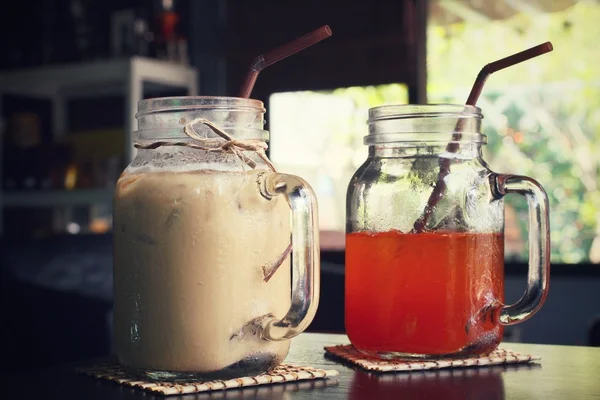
(542, 117)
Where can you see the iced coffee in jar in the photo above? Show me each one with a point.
(204, 231)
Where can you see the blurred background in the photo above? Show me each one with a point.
(72, 71)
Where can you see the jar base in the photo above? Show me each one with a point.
(250, 366)
(476, 350)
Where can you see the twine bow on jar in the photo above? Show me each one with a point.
(230, 145)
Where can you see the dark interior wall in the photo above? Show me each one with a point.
(570, 310)
(37, 32)
(208, 21)
(373, 43)
(44, 32)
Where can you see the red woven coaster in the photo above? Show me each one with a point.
(497, 357)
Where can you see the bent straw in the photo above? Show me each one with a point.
(264, 60)
(453, 146)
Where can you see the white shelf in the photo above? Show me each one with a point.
(56, 198)
(95, 77)
(127, 76)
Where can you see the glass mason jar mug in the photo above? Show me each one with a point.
(202, 240)
(425, 238)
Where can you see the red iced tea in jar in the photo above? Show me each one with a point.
(424, 293)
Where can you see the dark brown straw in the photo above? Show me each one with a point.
(453, 146)
(264, 60)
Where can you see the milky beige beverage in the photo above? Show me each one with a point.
(190, 290)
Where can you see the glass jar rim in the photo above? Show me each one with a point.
(442, 110)
(414, 125)
(165, 118)
(179, 103)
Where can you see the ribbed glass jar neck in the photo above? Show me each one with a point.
(165, 118)
(430, 126)
(466, 151)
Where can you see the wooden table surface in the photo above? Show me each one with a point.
(565, 372)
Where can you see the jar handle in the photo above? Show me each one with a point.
(538, 277)
(305, 254)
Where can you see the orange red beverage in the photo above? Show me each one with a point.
(428, 294)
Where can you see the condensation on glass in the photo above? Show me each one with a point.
(434, 290)
(203, 238)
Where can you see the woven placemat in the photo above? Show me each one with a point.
(497, 357)
(281, 374)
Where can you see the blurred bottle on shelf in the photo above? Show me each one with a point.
(171, 45)
(130, 33)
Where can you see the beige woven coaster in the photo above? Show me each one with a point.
(497, 357)
(281, 374)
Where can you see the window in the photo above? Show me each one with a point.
(542, 118)
(319, 136)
